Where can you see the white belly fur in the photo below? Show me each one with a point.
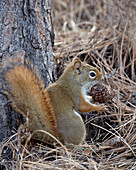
(76, 113)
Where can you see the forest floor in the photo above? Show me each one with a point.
(102, 33)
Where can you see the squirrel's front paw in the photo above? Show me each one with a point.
(102, 108)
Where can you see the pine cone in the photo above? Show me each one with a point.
(101, 94)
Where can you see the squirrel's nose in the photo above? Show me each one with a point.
(102, 78)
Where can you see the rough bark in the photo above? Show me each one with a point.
(27, 25)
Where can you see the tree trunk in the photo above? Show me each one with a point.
(27, 25)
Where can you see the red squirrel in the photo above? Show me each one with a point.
(56, 108)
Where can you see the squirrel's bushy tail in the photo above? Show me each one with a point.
(28, 98)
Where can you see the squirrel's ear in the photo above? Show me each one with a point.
(76, 63)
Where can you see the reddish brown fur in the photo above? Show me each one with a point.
(27, 96)
(54, 109)
(84, 106)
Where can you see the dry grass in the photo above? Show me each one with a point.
(102, 33)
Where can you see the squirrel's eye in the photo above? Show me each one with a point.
(92, 74)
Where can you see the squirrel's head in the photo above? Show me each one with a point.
(83, 73)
